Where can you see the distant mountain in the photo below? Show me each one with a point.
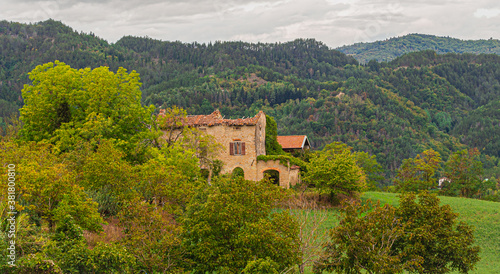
(389, 49)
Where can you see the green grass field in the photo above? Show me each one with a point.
(483, 215)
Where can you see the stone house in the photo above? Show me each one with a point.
(243, 140)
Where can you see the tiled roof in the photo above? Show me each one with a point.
(292, 142)
(215, 118)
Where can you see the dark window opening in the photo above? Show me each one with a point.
(237, 148)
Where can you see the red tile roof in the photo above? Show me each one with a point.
(215, 118)
(292, 142)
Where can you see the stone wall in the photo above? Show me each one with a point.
(288, 176)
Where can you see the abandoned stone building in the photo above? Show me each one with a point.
(243, 141)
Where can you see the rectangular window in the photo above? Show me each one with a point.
(237, 148)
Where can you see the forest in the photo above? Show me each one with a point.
(391, 48)
(392, 110)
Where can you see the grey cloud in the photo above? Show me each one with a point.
(335, 22)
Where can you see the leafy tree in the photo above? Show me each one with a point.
(69, 250)
(48, 189)
(233, 222)
(335, 170)
(418, 237)
(419, 173)
(272, 145)
(261, 266)
(371, 167)
(364, 241)
(464, 171)
(152, 236)
(106, 171)
(170, 179)
(65, 106)
(433, 235)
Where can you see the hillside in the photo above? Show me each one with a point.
(389, 49)
(392, 110)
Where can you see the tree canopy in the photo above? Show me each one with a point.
(65, 106)
(418, 236)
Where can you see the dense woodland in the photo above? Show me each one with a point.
(392, 48)
(392, 110)
(95, 182)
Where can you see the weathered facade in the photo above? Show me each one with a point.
(243, 141)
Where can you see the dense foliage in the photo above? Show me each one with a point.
(418, 236)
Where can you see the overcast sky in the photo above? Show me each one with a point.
(334, 22)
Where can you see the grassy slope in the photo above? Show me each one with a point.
(483, 215)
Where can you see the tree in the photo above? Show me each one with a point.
(272, 145)
(47, 187)
(65, 106)
(335, 170)
(363, 241)
(419, 173)
(232, 223)
(371, 167)
(418, 237)
(152, 236)
(433, 235)
(464, 171)
(170, 179)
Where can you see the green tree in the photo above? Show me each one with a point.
(433, 236)
(464, 172)
(371, 167)
(233, 222)
(419, 173)
(334, 169)
(152, 236)
(272, 145)
(47, 187)
(170, 179)
(65, 106)
(417, 236)
(363, 241)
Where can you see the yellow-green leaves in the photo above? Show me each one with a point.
(231, 223)
(66, 106)
(335, 170)
(419, 173)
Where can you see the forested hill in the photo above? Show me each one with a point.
(389, 49)
(392, 110)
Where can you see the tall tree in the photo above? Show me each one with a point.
(419, 173)
(464, 171)
(64, 106)
(335, 170)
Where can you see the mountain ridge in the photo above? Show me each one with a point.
(391, 48)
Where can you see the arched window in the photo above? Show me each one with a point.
(238, 172)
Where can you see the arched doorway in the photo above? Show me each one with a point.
(238, 172)
(274, 176)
